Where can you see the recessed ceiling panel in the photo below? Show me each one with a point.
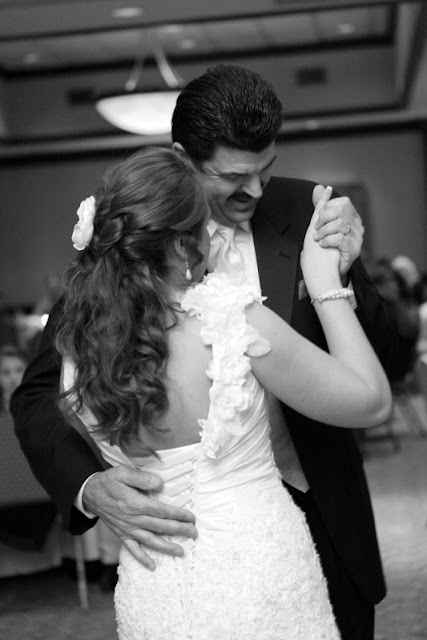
(193, 39)
(290, 30)
(379, 21)
(236, 34)
(348, 23)
(57, 17)
(112, 41)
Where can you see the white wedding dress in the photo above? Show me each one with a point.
(253, 572)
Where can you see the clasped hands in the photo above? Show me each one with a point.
(123, 497)
(340, 226)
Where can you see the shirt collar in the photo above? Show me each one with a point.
(213, 226)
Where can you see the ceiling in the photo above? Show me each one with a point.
(47, 35)
(337, 63)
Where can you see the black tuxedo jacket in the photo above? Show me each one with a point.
(329, 455)
(62, 460)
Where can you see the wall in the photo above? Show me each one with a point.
(39, 200)
(3, 96)
(390, 165)
(38, 212)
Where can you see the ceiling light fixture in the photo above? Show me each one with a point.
(172, 28)
(143, 112)
(187, 43)
(31, 57)
(127, 12)
(312, 125)
(346, 28)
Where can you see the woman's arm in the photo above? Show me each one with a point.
(345, 387)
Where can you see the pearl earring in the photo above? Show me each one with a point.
(188, 274)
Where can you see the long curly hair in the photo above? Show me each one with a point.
(117, 310)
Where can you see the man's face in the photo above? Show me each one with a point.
(234, 181)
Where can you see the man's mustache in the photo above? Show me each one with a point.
(241, 197)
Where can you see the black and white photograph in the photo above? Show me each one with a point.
(213, 320)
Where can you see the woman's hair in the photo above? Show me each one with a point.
(228, 106)
(117, 309)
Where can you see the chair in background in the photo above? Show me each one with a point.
(20, 490)
(405, 410)
(404, 393)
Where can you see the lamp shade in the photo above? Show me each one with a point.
(144, 113)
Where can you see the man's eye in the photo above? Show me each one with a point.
(230, 176)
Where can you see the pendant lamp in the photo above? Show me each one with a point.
(143, 112)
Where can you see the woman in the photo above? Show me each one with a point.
(168, 373)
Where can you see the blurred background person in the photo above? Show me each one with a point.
(12, 367)
(422, 312)
(51, 287)
(8, 334)
(398, 284)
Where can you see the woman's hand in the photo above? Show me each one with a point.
(339, 225)
(320, 267)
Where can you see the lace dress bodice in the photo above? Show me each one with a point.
(253, 572)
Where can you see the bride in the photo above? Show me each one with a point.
(169, 372)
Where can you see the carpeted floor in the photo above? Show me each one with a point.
(45, 606)
(398, 482)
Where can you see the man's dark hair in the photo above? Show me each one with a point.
(228, 106)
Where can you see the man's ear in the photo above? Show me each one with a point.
(180, 151)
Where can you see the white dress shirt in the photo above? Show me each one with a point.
(285, 455)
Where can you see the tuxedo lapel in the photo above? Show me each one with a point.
(277, 256)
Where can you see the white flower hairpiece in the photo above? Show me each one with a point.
(83, 230)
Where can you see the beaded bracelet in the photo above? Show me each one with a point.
(334, 294)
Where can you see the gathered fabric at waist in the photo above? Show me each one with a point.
(220, 493)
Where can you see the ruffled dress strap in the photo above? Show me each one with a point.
(220, 304)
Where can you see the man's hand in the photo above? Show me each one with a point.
(118, 497)
(339, 225)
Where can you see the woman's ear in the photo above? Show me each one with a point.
(179, 247)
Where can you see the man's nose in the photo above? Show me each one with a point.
(253, 186)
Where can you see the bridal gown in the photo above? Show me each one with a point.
(253, 572)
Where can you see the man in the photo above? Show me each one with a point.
(226, 122)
